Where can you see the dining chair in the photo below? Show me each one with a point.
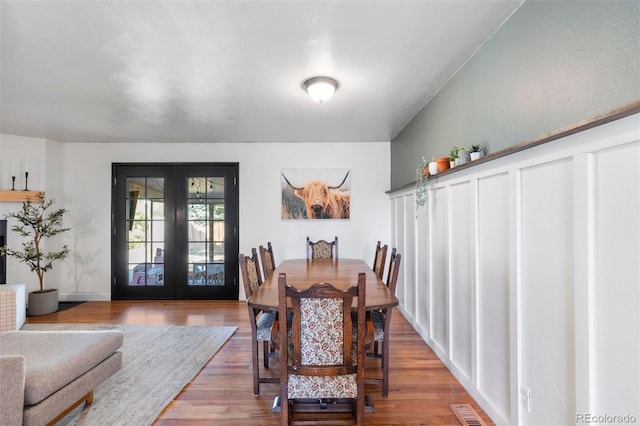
(378, 315)
(322, 378)
(261, 321)
(322, 249)
(379, 259)
(381, 320)
(266, 257)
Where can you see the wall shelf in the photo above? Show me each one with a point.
(604, 118)
(18, 196)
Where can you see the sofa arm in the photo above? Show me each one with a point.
(12, 376)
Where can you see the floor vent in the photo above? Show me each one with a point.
(467, 415)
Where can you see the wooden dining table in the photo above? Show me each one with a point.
(341, 273)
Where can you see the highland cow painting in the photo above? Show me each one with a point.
(316, 193)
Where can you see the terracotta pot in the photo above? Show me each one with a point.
(443, 163)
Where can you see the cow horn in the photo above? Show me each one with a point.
(287, 180)
(343, 181)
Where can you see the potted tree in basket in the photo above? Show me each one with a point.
(37, 223)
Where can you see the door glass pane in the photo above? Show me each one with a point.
(145, 231)
(205, 230)
(157, 230)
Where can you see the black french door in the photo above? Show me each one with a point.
(175, 231)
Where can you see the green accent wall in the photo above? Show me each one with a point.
(550, 65)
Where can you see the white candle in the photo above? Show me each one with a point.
(13, 168)
(26, 165)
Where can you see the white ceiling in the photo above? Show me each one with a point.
(227, 71)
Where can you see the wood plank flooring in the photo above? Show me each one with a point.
(420, 387)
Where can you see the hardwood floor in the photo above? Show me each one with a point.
(420, 387)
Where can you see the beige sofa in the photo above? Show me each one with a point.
(45, 374)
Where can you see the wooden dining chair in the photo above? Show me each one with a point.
(379, 259)
(322, 249)
(322, 378)
(268, 262)
(381, 320)
(261, 321)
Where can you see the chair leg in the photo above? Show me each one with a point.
(254, 361)
(284, 411)
(385, 368)
(265, 353)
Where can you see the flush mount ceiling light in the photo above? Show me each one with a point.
(321, 89)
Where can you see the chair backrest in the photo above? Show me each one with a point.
(379, 259)
(321, 360)
(250, 270)
(268, 262)
(394, 269)
(322, 249)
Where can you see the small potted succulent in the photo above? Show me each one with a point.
(477, 151)
(453, 157)
(37, 223)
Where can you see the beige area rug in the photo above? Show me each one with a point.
(158, 362)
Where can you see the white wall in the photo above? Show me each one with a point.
(86, 191)
(44, 163)
(525, 271)
(15, 151)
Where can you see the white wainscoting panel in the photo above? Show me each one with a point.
(617, 281)
(408, 261)
(422, 316)
(461, 273)
(492, 320)
(546, 308)
(439, 276)
(523, 275)
(399, 241)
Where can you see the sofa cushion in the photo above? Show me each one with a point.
(55, 358)
(11, 389)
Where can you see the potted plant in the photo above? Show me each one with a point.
(422, 177)
(463, 156)
(423, 169)
(453, 157)
(476, 152)
(38, 223)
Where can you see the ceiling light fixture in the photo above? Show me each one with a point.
(320, 89)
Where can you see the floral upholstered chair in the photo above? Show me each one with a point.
(381, 320)
(261, 321)
(379, 259)
(324, 369)
(322, 249)
(268, 262)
